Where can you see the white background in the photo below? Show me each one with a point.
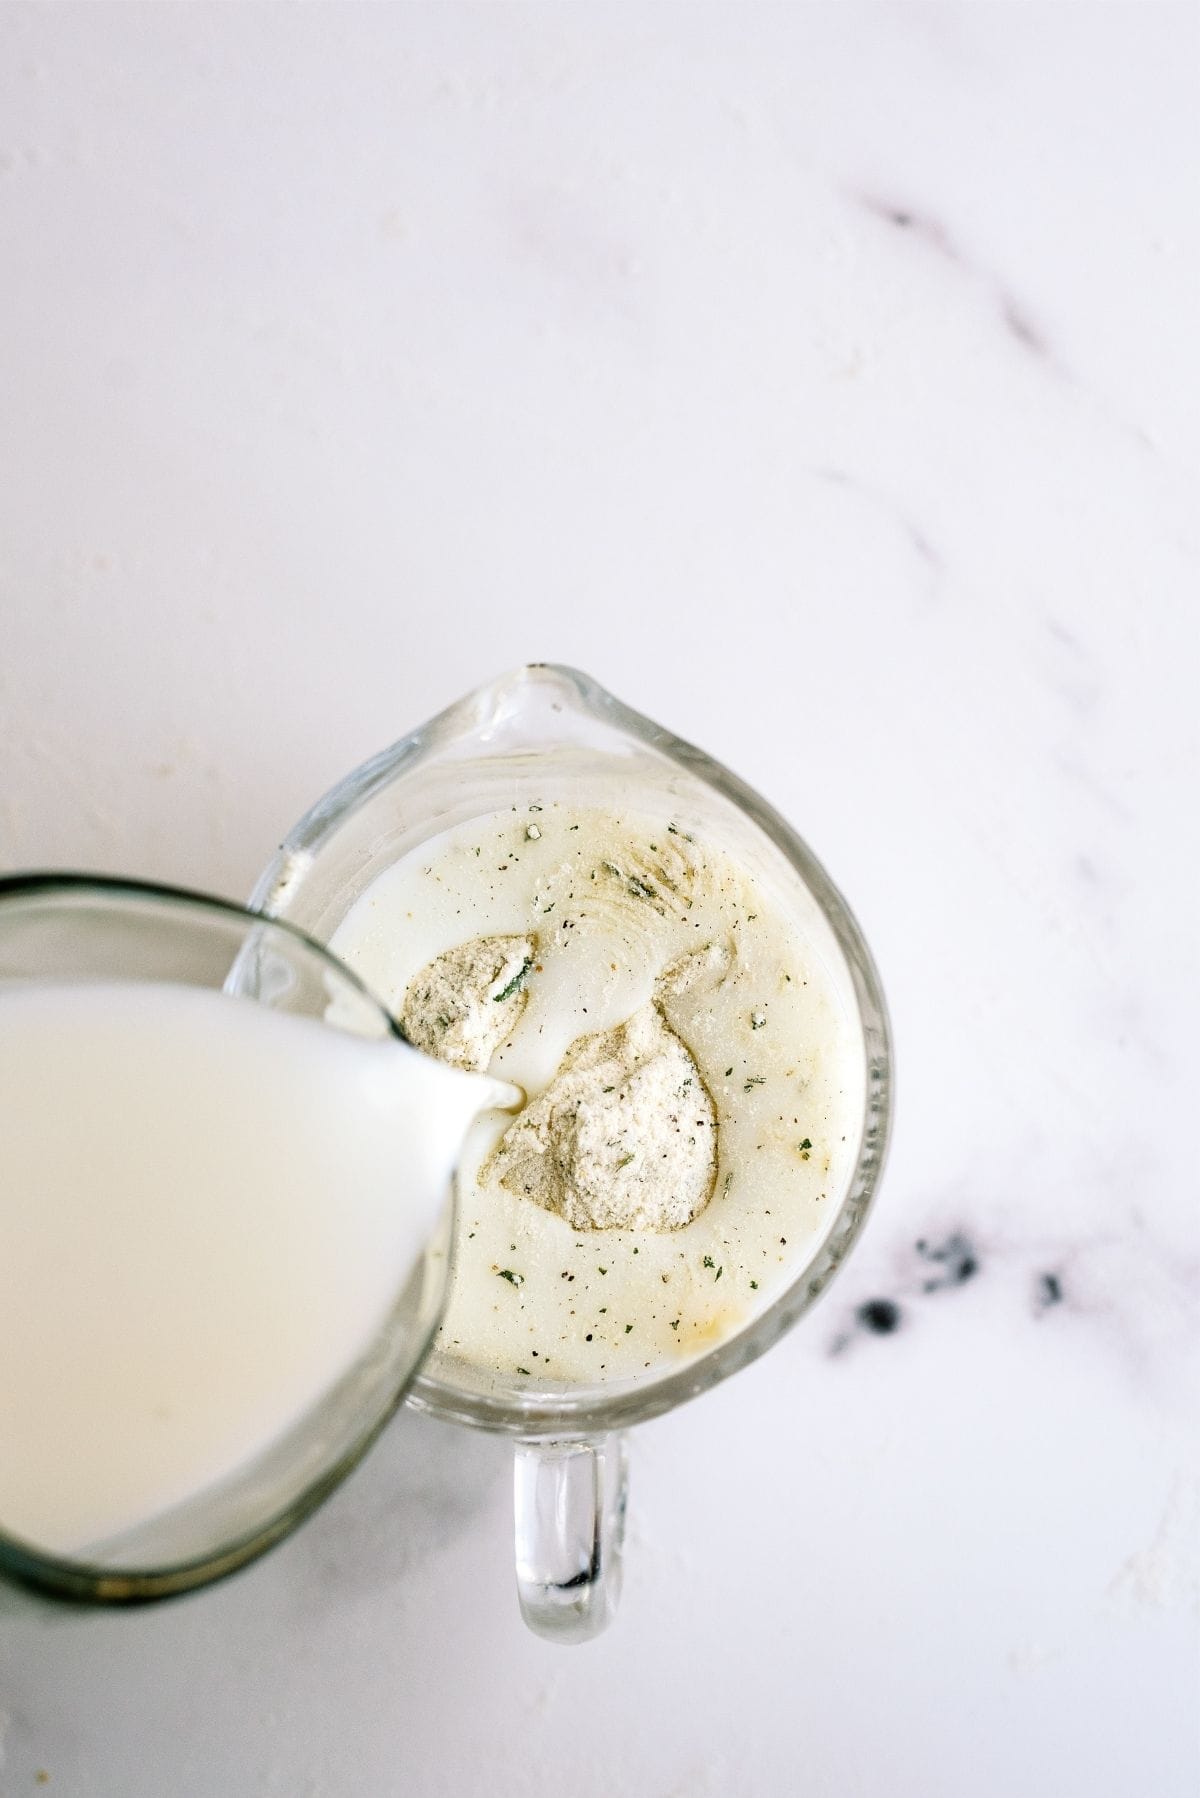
(823, 379)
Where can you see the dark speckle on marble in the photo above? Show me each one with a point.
(952, 1262)
(880, 1317)
(943, 1263)
(1049, 1292)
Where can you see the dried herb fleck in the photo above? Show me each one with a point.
(515, 984)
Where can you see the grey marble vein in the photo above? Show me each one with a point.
(1013, 314)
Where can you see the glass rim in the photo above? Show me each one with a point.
(538, 1417)
(43, 882)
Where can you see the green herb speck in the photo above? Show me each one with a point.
(515, 983)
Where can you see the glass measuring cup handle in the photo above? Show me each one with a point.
(569, 1512)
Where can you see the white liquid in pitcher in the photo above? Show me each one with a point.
(207, 1210)
(608, 903)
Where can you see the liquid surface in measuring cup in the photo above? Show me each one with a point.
(686, 1034)
(207, 1211)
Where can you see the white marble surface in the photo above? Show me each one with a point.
(822, 378)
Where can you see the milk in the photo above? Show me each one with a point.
(609, 900)
(207, 1210)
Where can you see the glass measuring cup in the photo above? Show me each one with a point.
(551, 733)
(74, 929)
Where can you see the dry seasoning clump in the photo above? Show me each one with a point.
(625, 1135)
(623, 1138)
(463, 1004)
(695, 971)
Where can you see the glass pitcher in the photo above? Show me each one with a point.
(551, 733)
(62, 929)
